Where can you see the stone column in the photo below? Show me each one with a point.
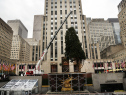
(59, 68)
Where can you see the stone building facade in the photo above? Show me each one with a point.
(6, 34)
(18, 28)
(37, 27)
(98, 28)
(54, 14)
(20, 49)
(35, 48)
(115, 52)
(122, 21)
(106, 41)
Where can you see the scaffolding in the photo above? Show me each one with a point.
(77, 82)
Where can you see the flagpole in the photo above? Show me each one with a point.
(125, 64)
(114, 65)
(2, 67)
(8, 67)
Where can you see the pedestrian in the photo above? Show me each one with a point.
(4, 76)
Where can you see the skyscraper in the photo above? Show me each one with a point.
(6, 34)
(18, 28)
(20, 49)
(116, 29)
(37, 27)
(54, 14)
(98, 28)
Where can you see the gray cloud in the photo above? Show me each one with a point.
(100, 8)
(26, 9)
(23, 10)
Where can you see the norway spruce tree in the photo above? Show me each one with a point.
(73, 48)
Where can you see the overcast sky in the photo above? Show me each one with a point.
(26, 9)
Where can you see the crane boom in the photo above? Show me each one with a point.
(45, 51)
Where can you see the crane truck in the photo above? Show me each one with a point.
(40, 72)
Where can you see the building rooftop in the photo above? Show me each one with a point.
(17, 21)
(113, 20)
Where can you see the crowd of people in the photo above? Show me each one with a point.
(4, 77)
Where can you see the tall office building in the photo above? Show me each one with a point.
(122, 21)
(37, 27)
(18, 28)
(20, 49)
(98, 28)
(116, 29)
(6, 35)
(54, 14)
(34, 48)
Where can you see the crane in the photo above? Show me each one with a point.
(36, 71)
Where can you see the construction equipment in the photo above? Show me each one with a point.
(36, 70)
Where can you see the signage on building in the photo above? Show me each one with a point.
(110, 81)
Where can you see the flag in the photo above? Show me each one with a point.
(10, 67)
(118, 65)
(28, 67)
(38, 68)
(21, 66)
(115, 65)
(104, 65)
(17, 67)
(35, 67)
(122, 64)
(0, 66)
(5, 67)
(13, 67)
(96, 65)
(31, 66)
(111, 65)
(93, 65)
(100, 65)
(24, 67)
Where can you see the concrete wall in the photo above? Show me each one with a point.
(124, 83)
(30, 77)
(104, 77)
(90, 89)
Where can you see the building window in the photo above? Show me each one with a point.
(52, 52)
(74, 11)
(55, 12)
(61, 47)
(55, 49)
(51, 12)
(61, 12)
(65, 11)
